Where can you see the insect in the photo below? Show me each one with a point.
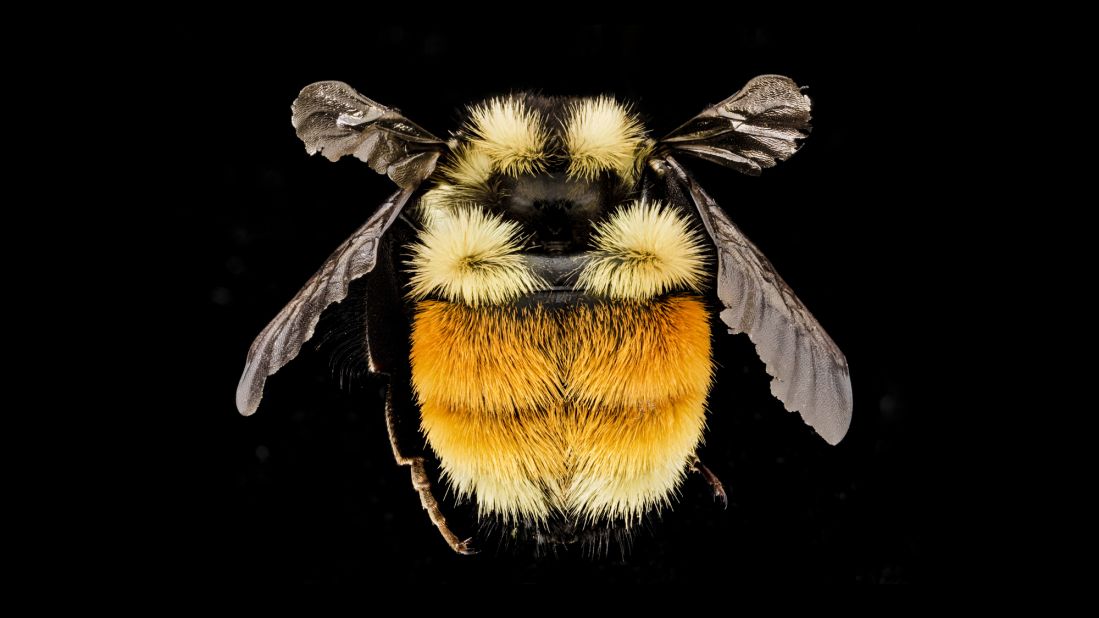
(538, 296)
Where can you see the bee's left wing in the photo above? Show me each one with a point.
(281, 340)
(335, 121)
(810, 373)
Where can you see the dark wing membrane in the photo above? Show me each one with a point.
(282, 339)
(809, 371)
(751, 129)
(334, 120)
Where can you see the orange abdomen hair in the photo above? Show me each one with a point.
(584, 412)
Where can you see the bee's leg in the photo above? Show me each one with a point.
(422, 484)
(696, 465)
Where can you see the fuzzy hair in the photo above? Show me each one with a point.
(470, 257)
(643, 250)
(469, 167)
(602, 135)
(436, 203)
(510, 134)
(587, 413)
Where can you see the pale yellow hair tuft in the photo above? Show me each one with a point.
(469, 166)
(602, 135)
(470, 257)
(510, 134)
(645, 249)
(436, 202)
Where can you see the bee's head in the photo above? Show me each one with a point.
(542, 193)
(552, 164)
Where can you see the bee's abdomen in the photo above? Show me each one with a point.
(563, 417)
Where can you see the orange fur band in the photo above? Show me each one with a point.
(587, 412)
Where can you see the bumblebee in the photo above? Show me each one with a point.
(538, 298)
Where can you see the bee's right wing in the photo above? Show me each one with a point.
(282, 339)
(751, 130)
(810, 373)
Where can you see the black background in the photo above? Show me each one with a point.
(306, 490)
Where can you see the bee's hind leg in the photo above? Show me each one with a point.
(696, 465)
(422, 483)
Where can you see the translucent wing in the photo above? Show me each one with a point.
(282, 339)
(809, 371)
(334, 120)
(751, 129)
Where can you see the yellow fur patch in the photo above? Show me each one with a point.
(471, 257)
(601, 135)
(645, 249)
(470, 167)
(436, 203)
(588, 413)
(509, 134)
